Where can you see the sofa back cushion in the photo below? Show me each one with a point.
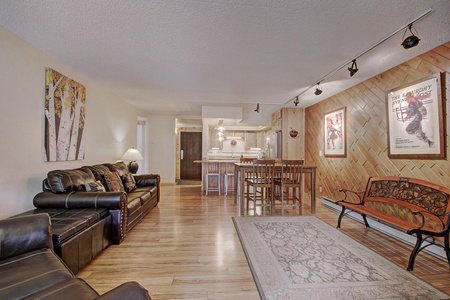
(99, 171)
(119, 167)
(61, 181)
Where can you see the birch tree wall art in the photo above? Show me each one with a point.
(65, 102)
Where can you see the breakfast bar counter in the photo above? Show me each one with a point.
(225, 169)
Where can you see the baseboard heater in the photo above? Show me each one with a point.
(433, 250)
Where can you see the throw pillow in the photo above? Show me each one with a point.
(96, 186)
(128, 182)
(113, 182)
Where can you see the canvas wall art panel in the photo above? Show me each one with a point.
(65, 109)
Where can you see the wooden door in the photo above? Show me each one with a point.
(191, 147)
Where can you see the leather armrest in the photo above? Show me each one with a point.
(128, 290)
(110, 200)
(147, 180)
(23, 234)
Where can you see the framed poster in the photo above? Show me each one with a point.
(415, 119)
(335, 133)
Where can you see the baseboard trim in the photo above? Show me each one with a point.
(433, 250)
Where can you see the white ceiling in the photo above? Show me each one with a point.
(172, 57)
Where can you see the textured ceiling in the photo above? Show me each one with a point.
(172, 57)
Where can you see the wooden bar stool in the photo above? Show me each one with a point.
(229, 172)
(212, 170)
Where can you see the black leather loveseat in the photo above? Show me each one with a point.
(31, 270)
(127, 197)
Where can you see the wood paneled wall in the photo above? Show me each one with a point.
(367, 152)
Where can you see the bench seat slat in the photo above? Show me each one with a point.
(395, 221)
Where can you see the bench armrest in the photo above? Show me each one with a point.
(435, 217)
(128, 290)
(348, 193)
(23, 234)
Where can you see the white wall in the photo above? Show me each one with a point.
(110, 127)
(162, 147)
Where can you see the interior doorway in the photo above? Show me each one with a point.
(190, 150)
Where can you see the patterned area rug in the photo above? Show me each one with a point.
(305, 258)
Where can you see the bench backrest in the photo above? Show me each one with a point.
(411, 193)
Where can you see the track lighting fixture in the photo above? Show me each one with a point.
(318, 89)
(410, 41)
(257, 108)
(353, 69)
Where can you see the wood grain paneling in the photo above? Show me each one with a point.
(367, 149)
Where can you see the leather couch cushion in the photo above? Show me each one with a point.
(31, 272)
(119, 167)
(72, 289)
(98, 171)
(61, 181)
(128, 182)
(94, 187)
(113, 182)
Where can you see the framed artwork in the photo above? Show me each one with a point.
(335, 133)
(65, 104)
(415, 119)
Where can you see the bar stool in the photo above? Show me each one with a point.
(212, 170)
(229, 172)
(290, 184)
(261, 181)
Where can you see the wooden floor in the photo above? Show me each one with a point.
(187, 248)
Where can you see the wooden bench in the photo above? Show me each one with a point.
(425, 209)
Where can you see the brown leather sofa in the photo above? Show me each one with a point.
(31, 270)
(127, 202)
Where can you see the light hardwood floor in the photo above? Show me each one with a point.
(187, 248)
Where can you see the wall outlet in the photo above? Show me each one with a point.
(320, 189)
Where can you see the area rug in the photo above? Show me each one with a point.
(305, 258)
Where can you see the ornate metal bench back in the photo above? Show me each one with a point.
(414, 192)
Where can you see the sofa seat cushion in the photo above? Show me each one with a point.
(31, 272)
(134, 203)
(72, 289)
(145, 195)
(64, 228)
(153, 190)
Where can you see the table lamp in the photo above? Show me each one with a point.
(132, 155)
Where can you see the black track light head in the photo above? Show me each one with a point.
(257, 108)
(410, 41)
(296, 101)
(353, 69)
(318, 89)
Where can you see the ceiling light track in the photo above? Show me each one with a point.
(408, 25)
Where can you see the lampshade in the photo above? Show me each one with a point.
(132, 154)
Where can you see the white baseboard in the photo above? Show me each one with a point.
(433, 250)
